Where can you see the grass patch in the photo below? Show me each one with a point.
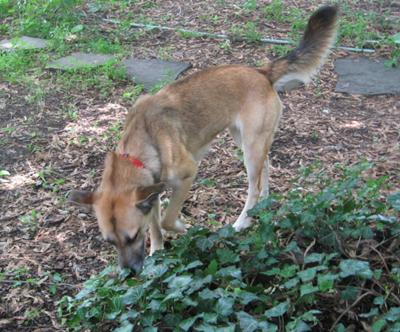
(103, 78)
(326, 246)
(40, 18)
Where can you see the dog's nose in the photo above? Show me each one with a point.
(135, 266)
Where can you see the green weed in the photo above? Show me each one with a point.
(248, 32)
(104, 46)
(280, 50)
(40, 18)
(30, 221)
(189, 34)
(132, 93)
(275, 11)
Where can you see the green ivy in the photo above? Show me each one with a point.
(303, 263)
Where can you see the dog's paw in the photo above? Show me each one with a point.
(241, 224)
(176, 227)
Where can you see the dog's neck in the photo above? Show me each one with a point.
(145, 154)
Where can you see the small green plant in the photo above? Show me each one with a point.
(72, 114)
(315, 253)
(132, 93)
(280, 50)
(189, 34)
(30, 221)
(56, 278)
(226, 46)
(274, 11)
(314, 137)
(114, 133)
(48, 179)
(248, 32)
(158, 86)
(104, 46)
(8, 130)
(40, 18)
(208, 182)
(4, 173)
(251, 33)
(31, 315)
(250, 5)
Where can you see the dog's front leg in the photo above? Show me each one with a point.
(179, 194)
(156, 238)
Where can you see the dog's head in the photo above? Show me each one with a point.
(123, 213)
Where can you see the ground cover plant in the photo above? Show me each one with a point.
(325, 255)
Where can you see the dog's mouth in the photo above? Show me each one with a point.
(132, 256)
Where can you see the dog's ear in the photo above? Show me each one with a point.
(82, 197)
(150, 195)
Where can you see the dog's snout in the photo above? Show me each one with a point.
(132, 257)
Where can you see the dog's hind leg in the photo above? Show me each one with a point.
(254, 156)
(257, 127)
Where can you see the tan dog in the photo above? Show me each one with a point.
(166, 135)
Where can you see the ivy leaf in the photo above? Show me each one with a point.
(180, 282)
(247, 322)
(155, 271)
(307, 289)
(227, 256)
(396, 38)
(291, 283)
(314, 258)
(393, 314)
(307, 274)
(378, 325)
(133, 295)
(126, 327)
(187, 323)
(205, 243)
(246, 297)
(224, 306)
(192, 265)
(174, 295)
(207, 294)
(394, 200)
(278, 310)
(230, 271)
(210, 317)
(353, 267)
(212, 268)
(349, 293)
(325, 282)
(227, 231)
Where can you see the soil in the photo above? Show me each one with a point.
(48, 153)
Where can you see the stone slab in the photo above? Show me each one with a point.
(367, 77)
(152, 72)
(79, 60)
(23, 43)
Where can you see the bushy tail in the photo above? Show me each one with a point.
(303, 62)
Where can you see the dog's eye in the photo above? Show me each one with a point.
(131, 240)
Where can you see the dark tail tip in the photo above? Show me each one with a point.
(324, 17)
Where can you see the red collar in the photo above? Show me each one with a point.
(135, 162)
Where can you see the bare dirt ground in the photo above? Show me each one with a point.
(48, 248)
